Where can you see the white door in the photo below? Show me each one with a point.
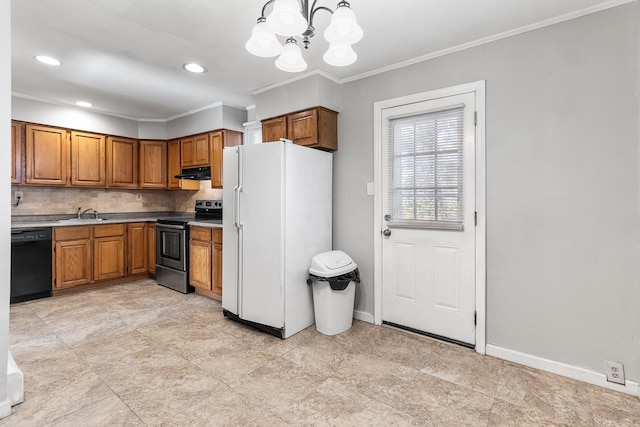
(428, 203)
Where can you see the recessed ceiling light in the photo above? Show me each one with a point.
(84, 104)
(47, 60)
(194, 68)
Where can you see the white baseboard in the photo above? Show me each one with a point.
(15, 382)
(362, 315)
(580, 374)
(5, 408)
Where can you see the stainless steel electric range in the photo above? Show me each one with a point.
(172, 244)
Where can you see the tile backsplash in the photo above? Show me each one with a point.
(58, 200)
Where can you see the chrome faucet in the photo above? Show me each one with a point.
(80, 214)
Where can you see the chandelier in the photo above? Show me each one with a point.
(292, 19)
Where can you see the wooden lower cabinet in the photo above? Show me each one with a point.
(108, 252)
(151, 247)
(137, 248)
(216, 262)
(73, 258)
(108, 258)
(200, 257)
(87, 256)
(205, 261)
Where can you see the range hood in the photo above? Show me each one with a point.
(196, 174)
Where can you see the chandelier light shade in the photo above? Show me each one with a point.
(343, 27)
(294, 19)
(263, 42)
(340, 55)
(291, 59)
(286, 18)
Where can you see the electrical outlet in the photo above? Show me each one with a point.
(17, 195)
(614, 371)
(138, 196)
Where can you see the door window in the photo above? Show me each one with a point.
(426, 173)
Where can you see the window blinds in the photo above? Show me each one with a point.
(425, 173)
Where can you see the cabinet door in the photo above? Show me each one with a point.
(174, 168)
(88, 160)
(153, 164)
(173, 164)
(47, 155)
(200, 264)
(151, 247)
(17, 139)
(302, 127)
(217, 144)
(137, 248)
(201, 150)
(195, 151)
(317, 128)
(219, 140)
(274, 129)
(73, 263)
(122, 162)
(108, 258)
(216, 263)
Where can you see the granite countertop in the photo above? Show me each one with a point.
(35, 221)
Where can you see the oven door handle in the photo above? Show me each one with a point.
(173, 227)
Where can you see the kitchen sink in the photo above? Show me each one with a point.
(81, 220)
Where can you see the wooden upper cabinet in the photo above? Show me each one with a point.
(174, 168)
(274, 129)
(17, 142)
(195, 151)
(122, 162)
(219, 140)
(47, 155)
(316, 128)
(153, 164)
(88, 160)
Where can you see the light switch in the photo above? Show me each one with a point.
(370, 189)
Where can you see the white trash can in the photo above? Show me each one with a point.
(333, 276)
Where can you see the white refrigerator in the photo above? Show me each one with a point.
(277, 200)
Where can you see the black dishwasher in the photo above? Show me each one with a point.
(30, 263)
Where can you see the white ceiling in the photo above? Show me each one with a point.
(126, 56)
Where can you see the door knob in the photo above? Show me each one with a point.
(387, 217)
(386, 233)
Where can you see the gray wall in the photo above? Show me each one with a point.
(315, 90)
(219, 117)
(73, 118)
(563, 196)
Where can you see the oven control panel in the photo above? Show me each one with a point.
(208, 204)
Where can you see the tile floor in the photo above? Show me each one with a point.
(139, 354)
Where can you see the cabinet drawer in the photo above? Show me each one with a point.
(217, 235)
(108, 230)
(71, 233)
(200, 233)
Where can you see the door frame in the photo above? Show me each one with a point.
(480, 205)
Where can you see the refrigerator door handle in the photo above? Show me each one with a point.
(236, 207)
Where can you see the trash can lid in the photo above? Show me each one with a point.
(332, 263)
